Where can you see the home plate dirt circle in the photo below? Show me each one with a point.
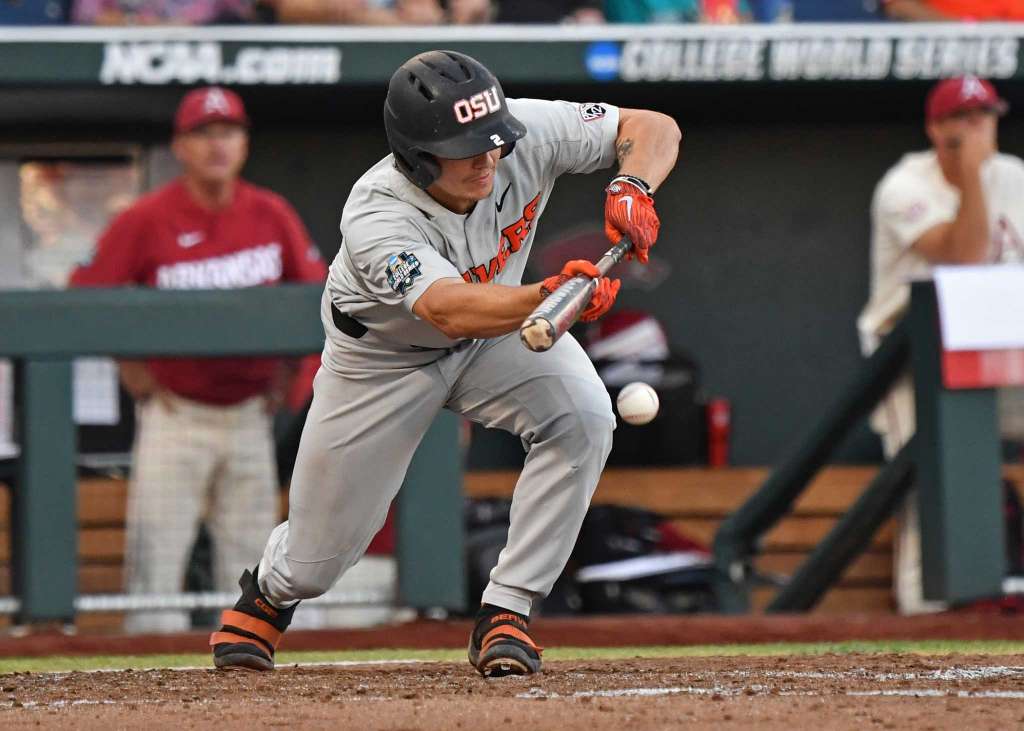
(821, 692)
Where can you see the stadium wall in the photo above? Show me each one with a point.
(765, 231)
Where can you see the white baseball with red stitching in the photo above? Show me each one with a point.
(637, 403)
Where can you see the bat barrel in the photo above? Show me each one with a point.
(537, 334)
(556, 314)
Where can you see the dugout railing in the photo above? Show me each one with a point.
(43, 331)
(953, 460)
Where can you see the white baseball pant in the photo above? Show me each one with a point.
(195, 461)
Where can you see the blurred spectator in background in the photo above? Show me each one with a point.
(958, 203)
(677, 11)
(356, 12)
(471, 12)
(939, 10)
(203, 446)
(161, 12)
(771, 11)
(549, 11)
(833, 11)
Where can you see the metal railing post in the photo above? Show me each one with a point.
(44, 525)
(430, 540)
(963, 543)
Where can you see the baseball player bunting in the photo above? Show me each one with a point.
(422, 313)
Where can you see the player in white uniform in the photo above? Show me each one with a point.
(421, 311)
(961, 202)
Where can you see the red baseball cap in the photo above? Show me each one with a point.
(209, 104)
(950, 96)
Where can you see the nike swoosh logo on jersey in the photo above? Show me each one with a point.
(628, 200)
(190, 239)
(501, 201)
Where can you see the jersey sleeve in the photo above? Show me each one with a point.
(302, 260)
(906, 210)
(393, 259)
(576, 137)
(118, 257)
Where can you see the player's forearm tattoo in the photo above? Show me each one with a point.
(622, 150)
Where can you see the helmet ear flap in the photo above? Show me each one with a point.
(422, 174)
(429, 169)
(402, 164)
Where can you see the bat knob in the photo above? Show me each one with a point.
(537, 334)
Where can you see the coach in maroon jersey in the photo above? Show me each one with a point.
(203, 445)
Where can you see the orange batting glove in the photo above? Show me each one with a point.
(629, 211)
(603, 296)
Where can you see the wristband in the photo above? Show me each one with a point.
(632, 180)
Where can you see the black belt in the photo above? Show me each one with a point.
(347, 324)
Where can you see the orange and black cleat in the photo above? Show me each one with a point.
(250, 632)
(501, 644)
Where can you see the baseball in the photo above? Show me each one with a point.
(637, 403)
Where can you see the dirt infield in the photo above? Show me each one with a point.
(578, 632)
(825, 692)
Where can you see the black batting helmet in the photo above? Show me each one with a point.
(445, 104)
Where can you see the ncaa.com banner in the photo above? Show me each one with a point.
(208, 62)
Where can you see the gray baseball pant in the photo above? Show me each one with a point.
(363, 428)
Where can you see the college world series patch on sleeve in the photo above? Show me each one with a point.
(402, 271)
(592, 111)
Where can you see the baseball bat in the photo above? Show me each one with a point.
(560, 309)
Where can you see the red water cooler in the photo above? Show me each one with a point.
(719, 415)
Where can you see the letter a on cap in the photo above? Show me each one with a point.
(972, 88)
(211, 104)
(215, 102)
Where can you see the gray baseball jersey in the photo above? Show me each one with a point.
(397, 240)
(377, 394)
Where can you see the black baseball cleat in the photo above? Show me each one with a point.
(250, 632)
(501, 644)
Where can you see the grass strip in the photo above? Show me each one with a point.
(138, 662)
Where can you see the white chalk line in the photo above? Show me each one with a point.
(932, 692)
(945, 674)
(761, 690)
(952, 674)
(535, 693)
